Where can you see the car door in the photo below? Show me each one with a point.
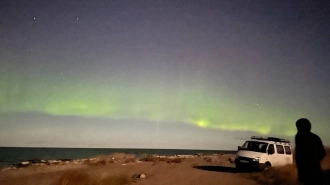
(280, 154)
(288, 155)
(272, 155)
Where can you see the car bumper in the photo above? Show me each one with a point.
(250, 165)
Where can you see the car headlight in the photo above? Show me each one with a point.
(256, 159)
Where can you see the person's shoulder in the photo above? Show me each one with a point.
(315, 135)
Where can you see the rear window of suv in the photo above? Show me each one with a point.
(287, 150)
(280, 149)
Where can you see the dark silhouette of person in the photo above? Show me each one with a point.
(309, 153)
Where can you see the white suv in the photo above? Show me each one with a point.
(263, 153)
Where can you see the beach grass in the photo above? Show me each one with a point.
(100, 162)
(151, 158)
(119, 179)
(77, 178)
(326, 161)
(285, 175)
(85, 178)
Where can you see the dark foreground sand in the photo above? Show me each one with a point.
(198, 170)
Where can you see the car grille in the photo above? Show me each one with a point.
(245, 158)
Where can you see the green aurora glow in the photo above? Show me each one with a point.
(198, 105)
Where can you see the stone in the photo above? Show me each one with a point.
(25, 163)
(231, 159)
(139, 176)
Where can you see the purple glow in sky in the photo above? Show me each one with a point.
(161, 74)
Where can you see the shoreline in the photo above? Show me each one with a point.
(112, 158)
(10, 156)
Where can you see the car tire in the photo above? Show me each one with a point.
(267, 166)
(239, 168)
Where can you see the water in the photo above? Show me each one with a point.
(14, 155)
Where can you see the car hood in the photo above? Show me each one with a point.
(249, 154)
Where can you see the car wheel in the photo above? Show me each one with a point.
(267, 166)
(239, 167)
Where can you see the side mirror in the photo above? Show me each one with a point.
(239, 148)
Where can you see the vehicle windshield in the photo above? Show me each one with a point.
(255, 146)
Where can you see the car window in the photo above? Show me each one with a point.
(279, 149)
(255, 146)
(271, 149)
(287, 150)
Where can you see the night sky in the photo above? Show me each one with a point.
(161, 74)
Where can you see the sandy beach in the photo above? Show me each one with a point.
(206, 170)
(120, 169)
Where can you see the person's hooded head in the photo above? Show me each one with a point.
(303, 125)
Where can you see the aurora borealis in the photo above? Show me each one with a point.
(198, 75)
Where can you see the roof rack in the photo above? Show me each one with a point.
(270, 139)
